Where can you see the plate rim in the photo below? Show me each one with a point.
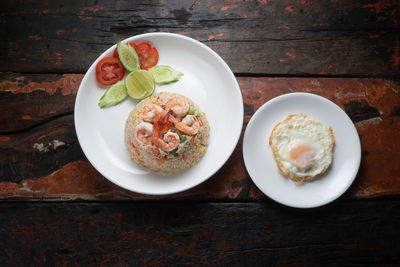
(235, 137)
(349, 181)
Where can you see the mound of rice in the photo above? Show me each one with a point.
(190, 148)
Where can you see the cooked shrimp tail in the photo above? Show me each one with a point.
(162, 119)
(189, 125)
(151, 112)
(143, 132)
(170, 140)
(178, 106)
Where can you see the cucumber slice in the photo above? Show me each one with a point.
(139, 84)
(164, 74)
(128, 56)
(114, 95)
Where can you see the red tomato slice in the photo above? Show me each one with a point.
(115, 53)
(149, 59)
(142, 48)
(109, 70)
(133, 45)
(148, 55)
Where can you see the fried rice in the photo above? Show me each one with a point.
(167, 133)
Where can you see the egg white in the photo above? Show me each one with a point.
(302, 129)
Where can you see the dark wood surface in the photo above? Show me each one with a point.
(191, 233)
(46, 142)
(56, 209)
(351, 38)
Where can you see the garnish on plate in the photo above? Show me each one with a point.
(140, 62)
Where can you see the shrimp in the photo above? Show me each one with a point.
(143, 132)
(151, 112)
(179, 106)
(189, 125)
(170, 140)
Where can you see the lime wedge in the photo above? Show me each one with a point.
(128, 56)
(114, 95)
(164, 74)
(139, 84)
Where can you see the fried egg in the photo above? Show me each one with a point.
(302, 147)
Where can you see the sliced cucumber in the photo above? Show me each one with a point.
(114, 95)
(128, 56)
(164, 74)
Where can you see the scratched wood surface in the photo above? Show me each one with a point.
(351, 38)
(193, 234)
(56, 209)
(41, 158)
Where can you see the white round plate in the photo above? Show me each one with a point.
(207, 80)
(261, 165)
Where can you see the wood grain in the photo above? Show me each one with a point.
(33, 99)
(292, 38)
(40, 158)
(57, 210)
(187, 233)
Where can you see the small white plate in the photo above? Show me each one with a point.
(261, 165)
(207, 80)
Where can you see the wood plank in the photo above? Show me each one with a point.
(189, 233)
(47, 162)
(40, 151)
(342, 38)
(33, 99)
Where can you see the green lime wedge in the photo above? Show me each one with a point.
(164, 74)
(114, 95)
(139, 84)
(128, 56)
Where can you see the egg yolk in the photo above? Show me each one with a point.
(302, 156)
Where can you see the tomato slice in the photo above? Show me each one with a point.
(109, 70)
(142, 48)
(149, 59)
(148, 55)
(133, 45)
(115, 53)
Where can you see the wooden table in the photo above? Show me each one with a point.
(56, 209)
